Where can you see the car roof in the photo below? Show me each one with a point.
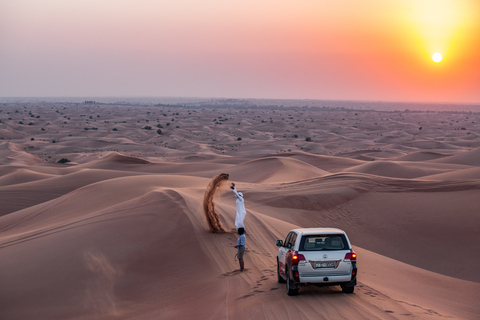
(309, 231)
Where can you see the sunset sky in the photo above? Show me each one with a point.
(311, 49)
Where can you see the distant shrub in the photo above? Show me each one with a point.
(239, 138)
(114, 129)
(308, 139)
(159, 126)
(159, 131)
(63, 160)
(147, 128)
(295, 136)
(420, 128)
(32, 139)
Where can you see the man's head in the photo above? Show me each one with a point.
(241, 231)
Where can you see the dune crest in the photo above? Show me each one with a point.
(120, 158)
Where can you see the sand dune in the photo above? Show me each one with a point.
(114, 159)
(421, 156)
(471, 158)
(14, 154)
(391, 169)
(22, 176)
(119, 231)
(327, 163)
(461, 174)
(18, 196)
(274, 170)
(429, 144)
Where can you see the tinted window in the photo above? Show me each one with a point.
(292, 240)
(287, 239)
(323, 242)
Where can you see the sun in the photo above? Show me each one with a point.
(437, 57)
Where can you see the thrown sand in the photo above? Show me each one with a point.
(208, 204)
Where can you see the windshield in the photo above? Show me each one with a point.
(324, 242)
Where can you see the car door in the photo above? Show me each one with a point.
(290, 249)
(282, 252)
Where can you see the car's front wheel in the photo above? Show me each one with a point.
(291, 288)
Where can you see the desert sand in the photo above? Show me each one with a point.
(101, 216)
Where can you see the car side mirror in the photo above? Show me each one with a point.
(279, 243)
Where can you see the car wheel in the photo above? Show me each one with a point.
(280, 278)
(291, 288)
(347, 289)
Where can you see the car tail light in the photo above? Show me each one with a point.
(296, 257)
(352, 256)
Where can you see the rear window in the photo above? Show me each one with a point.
(323, 242)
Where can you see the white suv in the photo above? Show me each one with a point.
(316, 256)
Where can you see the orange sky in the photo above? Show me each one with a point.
(313, 49)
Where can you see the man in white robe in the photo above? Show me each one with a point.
(241, 213)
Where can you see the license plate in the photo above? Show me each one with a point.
(326, 264)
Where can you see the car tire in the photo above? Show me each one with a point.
(346, 289)
(279, 277)
(291, 288)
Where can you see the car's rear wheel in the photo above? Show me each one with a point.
(280, 278)
(291, 288)
(346, 289)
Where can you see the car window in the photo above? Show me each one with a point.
(323, 242)
(293, 239)
(287, 239)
